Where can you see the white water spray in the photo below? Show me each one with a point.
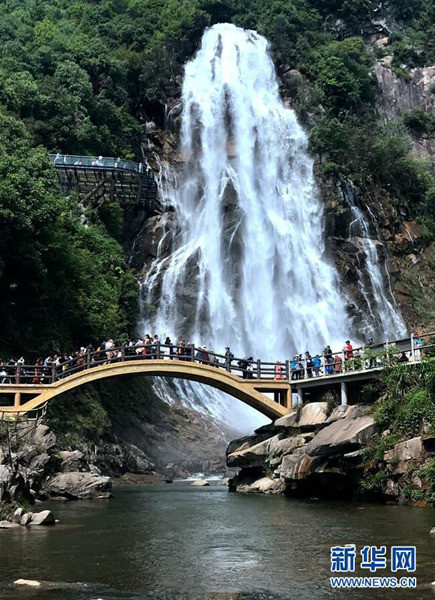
(248, 269)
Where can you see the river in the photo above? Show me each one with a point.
(178, 542)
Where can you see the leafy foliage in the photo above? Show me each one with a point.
(407, 407)
(81, 77)
(60, 283)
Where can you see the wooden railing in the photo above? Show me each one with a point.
(365, 358)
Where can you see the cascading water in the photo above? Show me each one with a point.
(381, 316)
(248, 269)
(246, 266)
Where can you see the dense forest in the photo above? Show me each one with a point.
(84, 76)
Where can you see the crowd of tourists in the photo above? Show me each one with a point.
(301, 366)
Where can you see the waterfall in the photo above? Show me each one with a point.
(380, 315)
(248, 267)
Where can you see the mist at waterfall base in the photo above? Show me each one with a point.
(247, 267)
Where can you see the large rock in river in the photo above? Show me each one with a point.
(342, 436)
(44, 517)
(78, 485)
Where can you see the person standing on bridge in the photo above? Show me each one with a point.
(308, 364)
(317, 364)
(169, 347)
(205, 356)
(110, 344)
(228, 358)
(348, 355)
(244, 364)
(278, 371)
(337, 364)
(181, 349)
(418, 345)
(155, 348)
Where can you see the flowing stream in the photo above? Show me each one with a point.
(178, 542)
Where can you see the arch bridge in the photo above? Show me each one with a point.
(265, 386)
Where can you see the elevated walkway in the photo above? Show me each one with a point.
(100, 179)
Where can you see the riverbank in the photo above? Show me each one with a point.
(334, 452)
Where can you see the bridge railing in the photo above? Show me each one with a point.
(365, 358)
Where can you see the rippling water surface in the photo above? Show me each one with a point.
(185, 543)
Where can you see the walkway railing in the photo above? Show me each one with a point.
(363, 359)
(103, 162)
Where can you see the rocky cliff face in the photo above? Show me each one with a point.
(330, 453)
(397, 96)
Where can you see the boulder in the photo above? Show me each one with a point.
(400, 458)
(294, 467)
(410, 449)
(71, 461)
(391, 488)
(200, 483)
(45, 517)
(350, 412)
(287, 421)
(137, 461)
(247, 442)
(77, 485)
(18, 513)
(43, 463)
(266, 485)
(251, 456)
(342, 436)
(27, 583)
(8, 525)
(432, 531)
(40, 436)
(26, 518)
(312, 414)
(5, 480)
(281, 447)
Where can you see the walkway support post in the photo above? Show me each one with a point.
(287, 370)
(300, 392)
(412, 348)
(17, 399)
(258, 368)
(343, 394)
